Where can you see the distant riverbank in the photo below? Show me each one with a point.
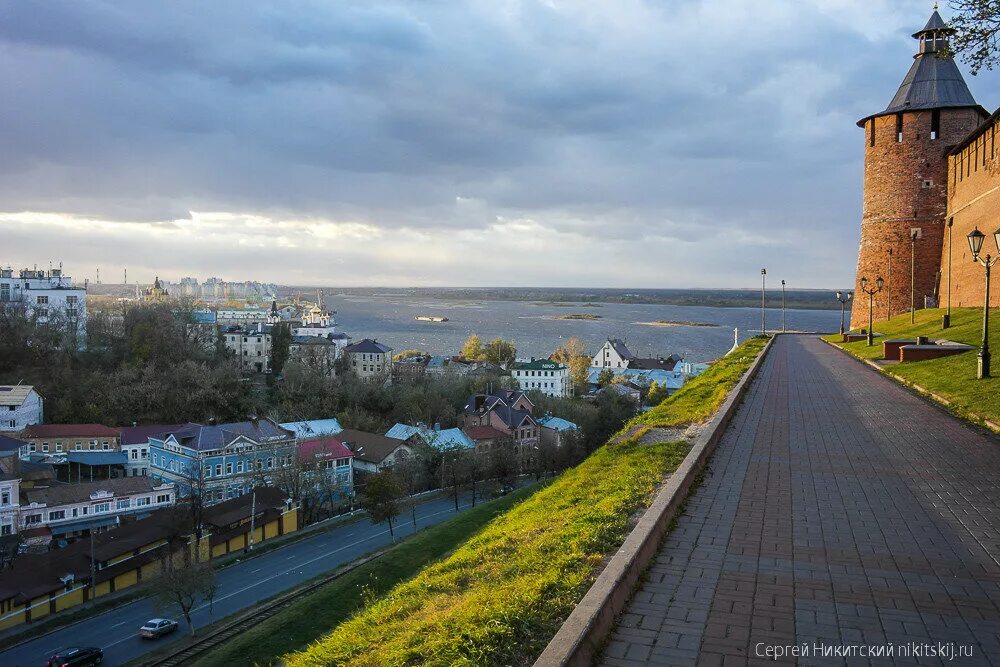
(676, 323)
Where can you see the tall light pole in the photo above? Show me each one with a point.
(888, 286)
(782, 306)
(871, 304)
(763, 320)
(947, 316)
(843, 300)
(976, 239)
(913, 274)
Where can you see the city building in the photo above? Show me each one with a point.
(316, 352)
(410, 369)
(135, 445)
(554, 430)
(329, 469)
(374, 452)
(437, 437)
(20, 407)
(57, 438)
(369, 359)
(549, 377)
(508, 411)
(930, 158)
(46, 297)
(67, 510)
(155, 293)
(221, 461)
(313, 428)
(250, 346)
(613, 354)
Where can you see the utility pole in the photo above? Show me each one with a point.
(888, 288)
(763, 301)
(913, 274)
(782, 306)
(253, 517)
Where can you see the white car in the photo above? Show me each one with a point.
(157, 627)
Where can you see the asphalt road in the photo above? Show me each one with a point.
(241, 585)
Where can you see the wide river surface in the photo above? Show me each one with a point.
(537, 331)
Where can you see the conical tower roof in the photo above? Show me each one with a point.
(934, 80)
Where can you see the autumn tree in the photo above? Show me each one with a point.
(500, 352)
(606, 377)
(381, 497)
(657, 393)
(573, 353)
(472, 350)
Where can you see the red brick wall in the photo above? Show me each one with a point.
(974, 187)
(897, 199)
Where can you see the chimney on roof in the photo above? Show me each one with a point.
(479, 402)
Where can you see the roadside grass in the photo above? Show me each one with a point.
(320, 611)
(952, 378)
(500, 597)
(699, 398)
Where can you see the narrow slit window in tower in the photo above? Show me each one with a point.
(871, 137)
(935, 124)
(899, 128)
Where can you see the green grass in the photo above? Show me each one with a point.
(952, 378)
(320, 611)
(700, 397)
(503, 594)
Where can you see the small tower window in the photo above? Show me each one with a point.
(899, 128)
(927, 184)
(935, 124)
(871, 136)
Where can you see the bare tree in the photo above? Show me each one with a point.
(183, 586)
(381, 498)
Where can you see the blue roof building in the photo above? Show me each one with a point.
(313, 428)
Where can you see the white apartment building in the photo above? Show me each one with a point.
(20, 407)
(46, 296)
(549, 377)
(613, 354)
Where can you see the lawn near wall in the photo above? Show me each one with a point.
(500, 597)
(953, 378)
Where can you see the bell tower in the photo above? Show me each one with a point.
(905, 181)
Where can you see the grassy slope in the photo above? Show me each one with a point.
(953, 378)
(502, 595)
(699, 398)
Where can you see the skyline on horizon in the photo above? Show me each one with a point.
(523, 144)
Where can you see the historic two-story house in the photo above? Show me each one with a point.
(58, 438)
(250, 345)
(507, 411)
(549, 377)
(221, 461)
(369, 359)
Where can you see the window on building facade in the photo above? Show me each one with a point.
(218, 470)
(229, 468)
(163, 498)
(32, 518)
(57, 515)
(43, 300)
(124, 504)
(102, 507)
(5, 498)
(141, 502)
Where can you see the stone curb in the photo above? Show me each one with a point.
(968, 416)
(582, 635)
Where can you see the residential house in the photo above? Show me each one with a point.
(20, 406)
(374, 452)
(315, 352)
(448, 366)
(486, 438)
(369, 359)
(655, 363)
(328, 465)
(10, 482)
(626, 389)
(250, 345)
(221, 461)
(410, 369)
(553, 430)
(549, 377)
(613, 354)
(506, 410)
(135, 445)
(46, 297)
(57, 438)
(68, 510)
(441, 439)
(313, 428)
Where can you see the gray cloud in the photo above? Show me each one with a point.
(662, 135)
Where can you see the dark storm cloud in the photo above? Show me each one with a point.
(669, 129)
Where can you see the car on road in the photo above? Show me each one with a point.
(157, 627)
(76, 657)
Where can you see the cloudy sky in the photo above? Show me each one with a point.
(433, 142)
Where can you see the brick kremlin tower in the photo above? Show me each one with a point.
(906, 168)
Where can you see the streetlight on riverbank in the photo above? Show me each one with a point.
(914, 233)
(947, 316)
(782, 306)
(976, 239)
(871, 304)
(763, 320)
(843, 300)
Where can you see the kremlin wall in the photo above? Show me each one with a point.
(930, 158)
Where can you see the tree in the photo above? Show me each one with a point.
(184, 586)
(977, 26)
(281, 343)
(500, 352)
(573, 353)
(381, 498)
(657, 394)
(606, 377)
(473, 348)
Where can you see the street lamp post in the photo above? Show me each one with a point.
(888, 287)
(976, 239)
(763, 320)
(843, 300)
(947, 316)
(782, 306)
(913, 274)
(871, 304)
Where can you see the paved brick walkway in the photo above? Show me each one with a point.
(839, 510)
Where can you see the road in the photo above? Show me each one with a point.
(839, 512)
(241, 585)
